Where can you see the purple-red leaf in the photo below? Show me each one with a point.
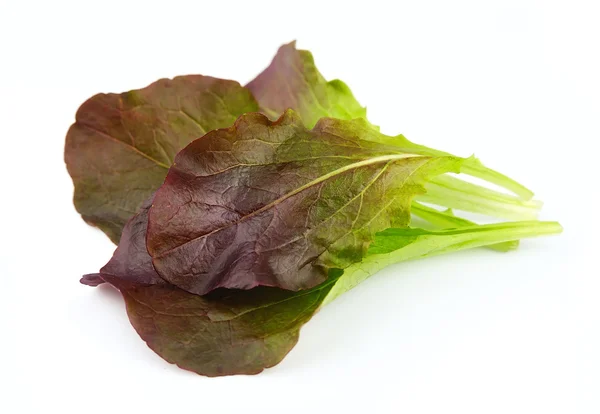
(120, 147)
(130, 261)
(293, 81)
(275, 204)
(224, 333)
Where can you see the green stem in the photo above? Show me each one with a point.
(400, 244)
(476, 169)
(447, 219)
(486, 234)
(452, 192)
(471, 166)
(457, 184)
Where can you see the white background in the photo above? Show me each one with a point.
(516, 82)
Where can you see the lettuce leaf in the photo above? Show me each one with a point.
(263, 205)
(293, 81)
(120, 147)
(274, 204)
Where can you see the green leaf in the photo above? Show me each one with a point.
(275, 204)
(293, 81)
(120, 147)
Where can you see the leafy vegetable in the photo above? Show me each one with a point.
(274, 204)
(260, 223)
(120, 147)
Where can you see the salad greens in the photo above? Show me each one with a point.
(239, 212)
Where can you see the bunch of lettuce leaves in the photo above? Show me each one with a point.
(240, 211)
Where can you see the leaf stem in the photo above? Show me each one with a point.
(486, 234)
(453, 192)
(471, 166)
(401, 244)
(476, 169)
(447, 219)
